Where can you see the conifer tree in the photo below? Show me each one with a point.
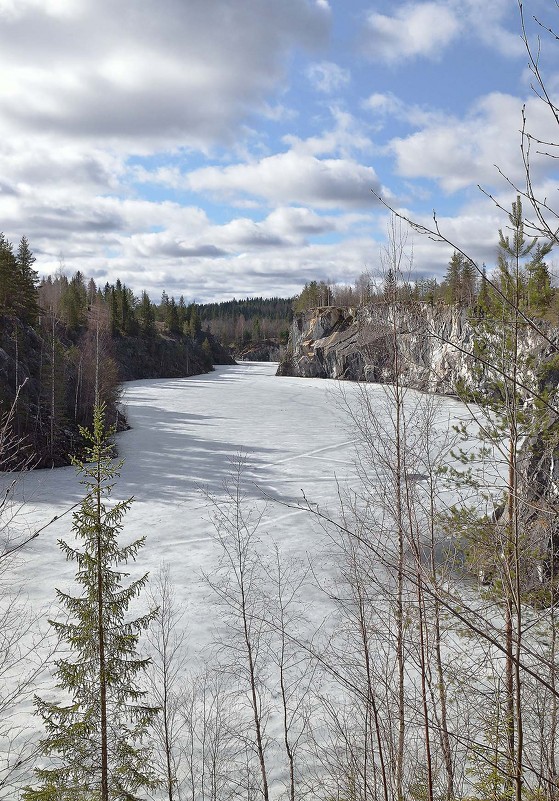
(540, 291)
(452, 284)
(73, 302)
(146, 315)
(28, 279)
(507, 545)
(390, 289)
(195, 325)
(468, 282)
(207, 353)
(172, 317)
(7, 275)
(483, 304)
(95, 737)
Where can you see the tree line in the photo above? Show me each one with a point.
(436, 676)
(50, 331)
(461, 285)
(240, 323)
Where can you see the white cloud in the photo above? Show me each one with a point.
(463, 152)
(150, 74)
(427, 29)
(486, 20)
(328, 77)
(198, 90)
(385, 104)
(416, 29)
(292, 177)
(320, 171)
(347, 137)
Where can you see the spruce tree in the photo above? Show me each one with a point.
(95, 737)
(146, 315)
(390, 288)
(540, 291)
(452, 284)
(28, 281)
(172, 318)
(8, 270)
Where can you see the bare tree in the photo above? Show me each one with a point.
(24, 646)
(296, 670)
(166, 637)
(237, 585)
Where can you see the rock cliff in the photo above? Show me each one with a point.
(268, 350)
(435, 346)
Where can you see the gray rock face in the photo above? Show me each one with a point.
(266, 351)
(358, 345)
(436, 346)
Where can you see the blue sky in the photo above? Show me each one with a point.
(225, 148)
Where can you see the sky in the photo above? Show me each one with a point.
(235, 148)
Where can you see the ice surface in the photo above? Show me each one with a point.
(185, 435)
(298, 442)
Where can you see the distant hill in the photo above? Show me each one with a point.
(241, 324)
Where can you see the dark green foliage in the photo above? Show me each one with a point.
(238, 322)
(194, 322)
(539, 290)
(146, 316)
(122, 310)
(207, 352)
(427, 290)
(484, 304)
(27, 308)
(460, 282)
(96, 736)
(7, 274)
(49, 335)
(314, 294)
(390, 287)
(181, 310)
(18, 282)
(73, 302)
(511, 391)
(172, 320)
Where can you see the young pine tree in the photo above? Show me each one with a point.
(95, 737)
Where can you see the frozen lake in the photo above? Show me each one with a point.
(185, 434)
(298, 441)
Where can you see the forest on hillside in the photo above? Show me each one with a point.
(60, 335)
(65, 342)
(463, 284)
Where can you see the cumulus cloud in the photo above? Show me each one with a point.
(427, 29)
(172, 73)
(346, 137)
(461, 152)
(119, 120)
(487, 21)
(328, 77)
(416, 29)
(292, 177)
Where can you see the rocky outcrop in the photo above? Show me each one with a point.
(436, 346)
(268, 350)
(357, 344)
